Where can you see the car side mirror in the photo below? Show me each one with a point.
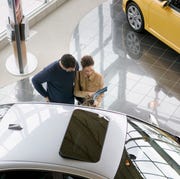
(167, 3)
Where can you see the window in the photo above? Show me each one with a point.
(28, 174)
(85, 136)
(175, 4)
(35, 174)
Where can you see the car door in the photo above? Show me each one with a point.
(164, 22)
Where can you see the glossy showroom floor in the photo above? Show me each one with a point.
(142, 73)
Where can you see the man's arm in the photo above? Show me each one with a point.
(38, 81)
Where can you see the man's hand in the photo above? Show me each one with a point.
(47, 99)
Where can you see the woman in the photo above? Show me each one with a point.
(88, 81)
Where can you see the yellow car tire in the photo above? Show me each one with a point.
(135, 17)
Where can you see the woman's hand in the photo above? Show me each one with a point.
(90, 94)
(95, 104)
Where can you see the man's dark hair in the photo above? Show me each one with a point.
(68, 61)
(87, 61)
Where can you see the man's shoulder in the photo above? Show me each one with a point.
(54, 66)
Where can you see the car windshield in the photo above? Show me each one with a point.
(84, 137)
(149, 153)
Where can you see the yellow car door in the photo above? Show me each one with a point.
(164, 22)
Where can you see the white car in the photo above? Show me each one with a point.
(55, 141)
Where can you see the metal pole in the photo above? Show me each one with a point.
(18, 40)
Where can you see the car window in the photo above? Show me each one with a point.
(175, 4)
(35, 174)
(84, 137)
(26, 174)
(69, 176)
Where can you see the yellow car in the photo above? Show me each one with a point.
(159, 17)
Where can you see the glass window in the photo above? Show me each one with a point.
(176, 4)
(35, 174)
(28, 7)
(29, 174)
(85, 136)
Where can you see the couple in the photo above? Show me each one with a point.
(60, 77)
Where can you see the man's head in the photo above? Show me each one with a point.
(68, 62)
(87, 63)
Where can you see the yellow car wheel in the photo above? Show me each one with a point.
(135, 17)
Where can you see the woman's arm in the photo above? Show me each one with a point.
(77, 88)
(98, 100)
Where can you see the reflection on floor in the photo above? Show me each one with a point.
(142, 73)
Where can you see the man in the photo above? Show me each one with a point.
(59, 77)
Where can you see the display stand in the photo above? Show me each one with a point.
(21, 62)
(13, 67)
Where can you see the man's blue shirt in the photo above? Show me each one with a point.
(60, 84)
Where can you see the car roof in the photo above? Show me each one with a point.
(44, 125)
